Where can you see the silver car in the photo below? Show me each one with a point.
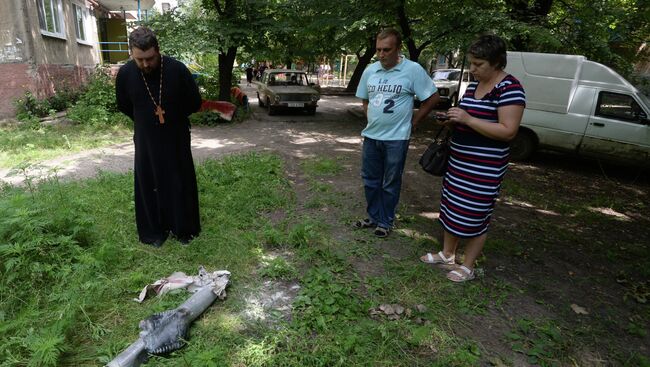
(287, 89)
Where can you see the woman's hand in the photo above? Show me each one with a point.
(443, 119)
(458, 115)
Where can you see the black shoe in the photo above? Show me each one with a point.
(382, 232)
(157, 243)
(364, 223)
(185, 241)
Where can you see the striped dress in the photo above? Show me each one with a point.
(477, 164)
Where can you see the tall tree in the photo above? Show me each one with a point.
(236, 24)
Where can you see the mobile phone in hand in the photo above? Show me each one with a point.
(441, 116)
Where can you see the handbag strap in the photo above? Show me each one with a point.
(440, 132)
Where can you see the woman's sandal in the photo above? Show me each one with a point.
(382, 232)
(438, 258)
(462, 274)
(364, 223)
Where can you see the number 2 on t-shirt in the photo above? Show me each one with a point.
(389, 105)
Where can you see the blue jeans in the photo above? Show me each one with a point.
(381, 170)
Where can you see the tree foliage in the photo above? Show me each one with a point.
(286, 31)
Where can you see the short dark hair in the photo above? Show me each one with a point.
(143, 38)
(491, 48)
(387, 32)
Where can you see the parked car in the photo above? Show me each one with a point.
(446, 80)
(287, 89)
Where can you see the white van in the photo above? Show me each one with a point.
(579, 106)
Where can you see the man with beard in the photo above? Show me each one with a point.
(158, 94)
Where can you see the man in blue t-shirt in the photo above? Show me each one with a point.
(387, 88)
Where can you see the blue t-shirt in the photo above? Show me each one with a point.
(390, 98)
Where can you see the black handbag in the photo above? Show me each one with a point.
(434, 159)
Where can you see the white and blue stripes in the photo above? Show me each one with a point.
(477, 164)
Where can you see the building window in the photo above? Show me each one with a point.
(80, 21)
(50, 17)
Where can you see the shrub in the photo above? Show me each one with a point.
(64, 99)
(97, 104)
(29, 107)
(209, 85)
(208, 81)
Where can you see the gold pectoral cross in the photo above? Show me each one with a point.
(160, 112)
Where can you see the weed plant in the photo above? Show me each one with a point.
(28, 107)
(97, 105)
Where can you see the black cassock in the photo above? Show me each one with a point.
(166, 196)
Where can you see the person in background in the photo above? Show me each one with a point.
(387, 89)
(486, 119)
(261, 71)
(249, 75)
(158, 93)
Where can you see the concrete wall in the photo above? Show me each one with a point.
(13, 37)
(41, 64)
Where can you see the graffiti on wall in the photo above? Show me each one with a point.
(11, 48)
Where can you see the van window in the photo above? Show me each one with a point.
(618, 106)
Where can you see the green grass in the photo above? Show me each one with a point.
(71, 264)
(30, 142)
(322, 166)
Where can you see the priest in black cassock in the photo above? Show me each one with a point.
(158, 93)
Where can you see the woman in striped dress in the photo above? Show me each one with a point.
(486, 119)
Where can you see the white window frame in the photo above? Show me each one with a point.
(56, 9)
(78, 9)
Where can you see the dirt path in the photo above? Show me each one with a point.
(557, 254)
(288, 132)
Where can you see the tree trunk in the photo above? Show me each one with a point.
(227, 58)
(226, 63)
(364, 60)
(407, 35)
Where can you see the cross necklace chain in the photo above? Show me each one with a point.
(159, 111)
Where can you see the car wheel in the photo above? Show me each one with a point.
(523, 145)
(259, 100)
(311, 111)
(270, 108)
